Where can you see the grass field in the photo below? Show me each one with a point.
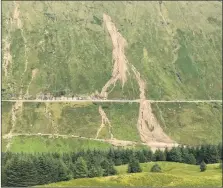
(34, 144)
(176, 47)
(173, 174)
(45, 144)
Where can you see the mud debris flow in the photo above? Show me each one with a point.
(104, 121)
(34, 73)
(49, 117)
(7, 58)
(14, 112)
(16, 15)
(118, 56)
(148, 127)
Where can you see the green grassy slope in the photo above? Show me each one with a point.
(45, 144)
(186, 123)
(81, 119)
(173, 174)
(176, 47)
(34, 144)
(191, 123)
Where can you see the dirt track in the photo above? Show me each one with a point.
(115, 142)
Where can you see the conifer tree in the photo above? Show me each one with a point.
(94, 166)
(159, 155)
(174, 155)
(212, 155)
(134, 166)
(108, 167)
(80, 170)
(64, 174)
(148, 154)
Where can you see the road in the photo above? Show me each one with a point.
(120, 101)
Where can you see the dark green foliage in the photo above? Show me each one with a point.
(118, 157)
(212, 155)
(187, 157)
(174, 155)
(80, 169)
(140, 156)
(203, 166)
(20, 172)
(108, 167)
(134, 166)
(220, 165)
(159, 156)
(64, 174)
(220, 150)
(148, 154)
(209, 154)
(21, 169)
(94, 166)
(155, 168)
(190, 159)
(95, 171)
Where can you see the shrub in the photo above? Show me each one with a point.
(203, 166)
(220, 165)
(155, 168)
(134, 166)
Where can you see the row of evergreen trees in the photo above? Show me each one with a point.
(22, 169)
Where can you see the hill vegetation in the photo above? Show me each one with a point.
(175, 46)
(111, 50)
(190, 124)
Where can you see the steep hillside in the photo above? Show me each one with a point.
(56, 126)
(111, 50)
(96, 49)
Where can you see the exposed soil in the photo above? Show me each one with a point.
(104, 121)
(116, 142)
(16, 15)
(148, 127)
(15, 109)
(49, 116)
(34, 73)
(7, 58)
(118, 56)
(113, 141)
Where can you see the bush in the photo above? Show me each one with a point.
(220, 165)
(134, 166)
(155, 168)
(189, 159)
(203, 166)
